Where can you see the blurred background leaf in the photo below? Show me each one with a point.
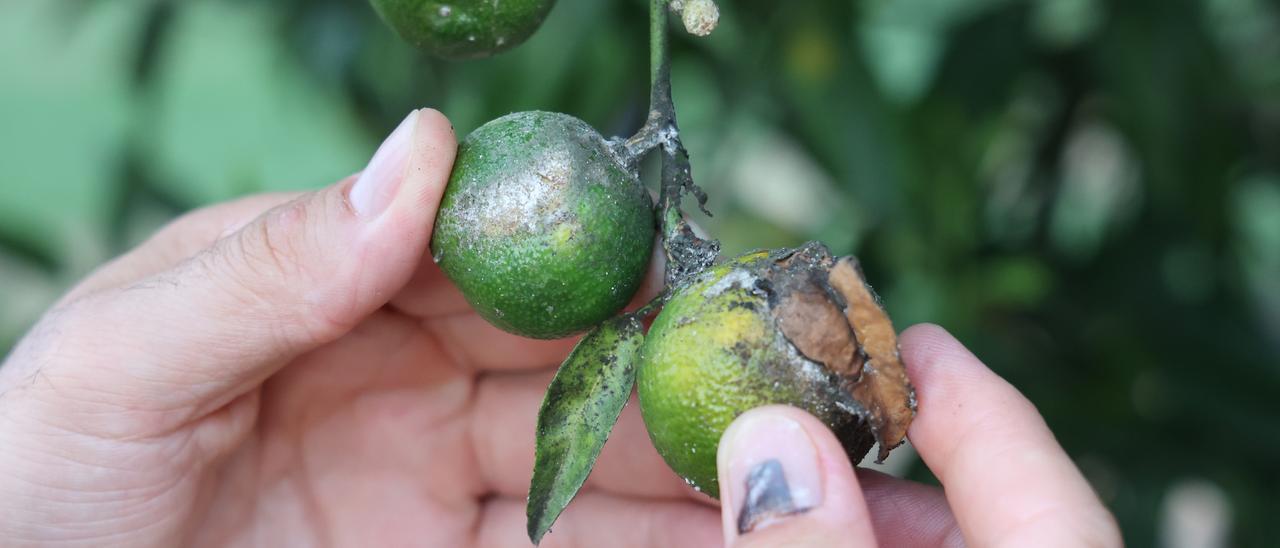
(1087, 192)
(230, 112)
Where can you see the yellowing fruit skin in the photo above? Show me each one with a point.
(712, 354)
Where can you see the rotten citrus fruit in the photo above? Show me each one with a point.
(541, 227)
(462, 29)
(796, 327)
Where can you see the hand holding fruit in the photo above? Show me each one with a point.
(346, 366)
(294, 370)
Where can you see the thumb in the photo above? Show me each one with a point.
(785, 481)
(298, 276)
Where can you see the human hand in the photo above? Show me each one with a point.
(293, 370)
(1006, 481)
(290, 370)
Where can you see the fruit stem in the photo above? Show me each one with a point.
(659, 58)
(686, 253)
(653, 305)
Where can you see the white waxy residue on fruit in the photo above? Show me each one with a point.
(735, 278)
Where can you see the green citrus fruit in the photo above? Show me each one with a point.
(461, 29)
(541, 227)
(719, 348)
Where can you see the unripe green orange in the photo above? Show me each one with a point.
(541, 227)
(462, 29)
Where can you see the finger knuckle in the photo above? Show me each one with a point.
(272, 246)
(272, 263)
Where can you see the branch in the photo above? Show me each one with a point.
(686, 253)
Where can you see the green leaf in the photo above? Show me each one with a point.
(65, 108)
(579, 410)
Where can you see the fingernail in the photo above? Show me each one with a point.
(379, 181)
(773, 471)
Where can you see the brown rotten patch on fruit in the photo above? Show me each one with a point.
(883, 388)
(826, 309)
(795, 327)
(816, 325)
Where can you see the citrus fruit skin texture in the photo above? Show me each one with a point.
(541, 228)
(464, 29)
(712, 354)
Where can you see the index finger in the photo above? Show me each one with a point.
(1005, 476)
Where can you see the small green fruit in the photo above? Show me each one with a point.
(541, 227)
(786, 327)
(463, 29)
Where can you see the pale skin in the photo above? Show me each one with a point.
(293, 370)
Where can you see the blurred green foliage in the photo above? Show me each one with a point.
(1087, 192)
